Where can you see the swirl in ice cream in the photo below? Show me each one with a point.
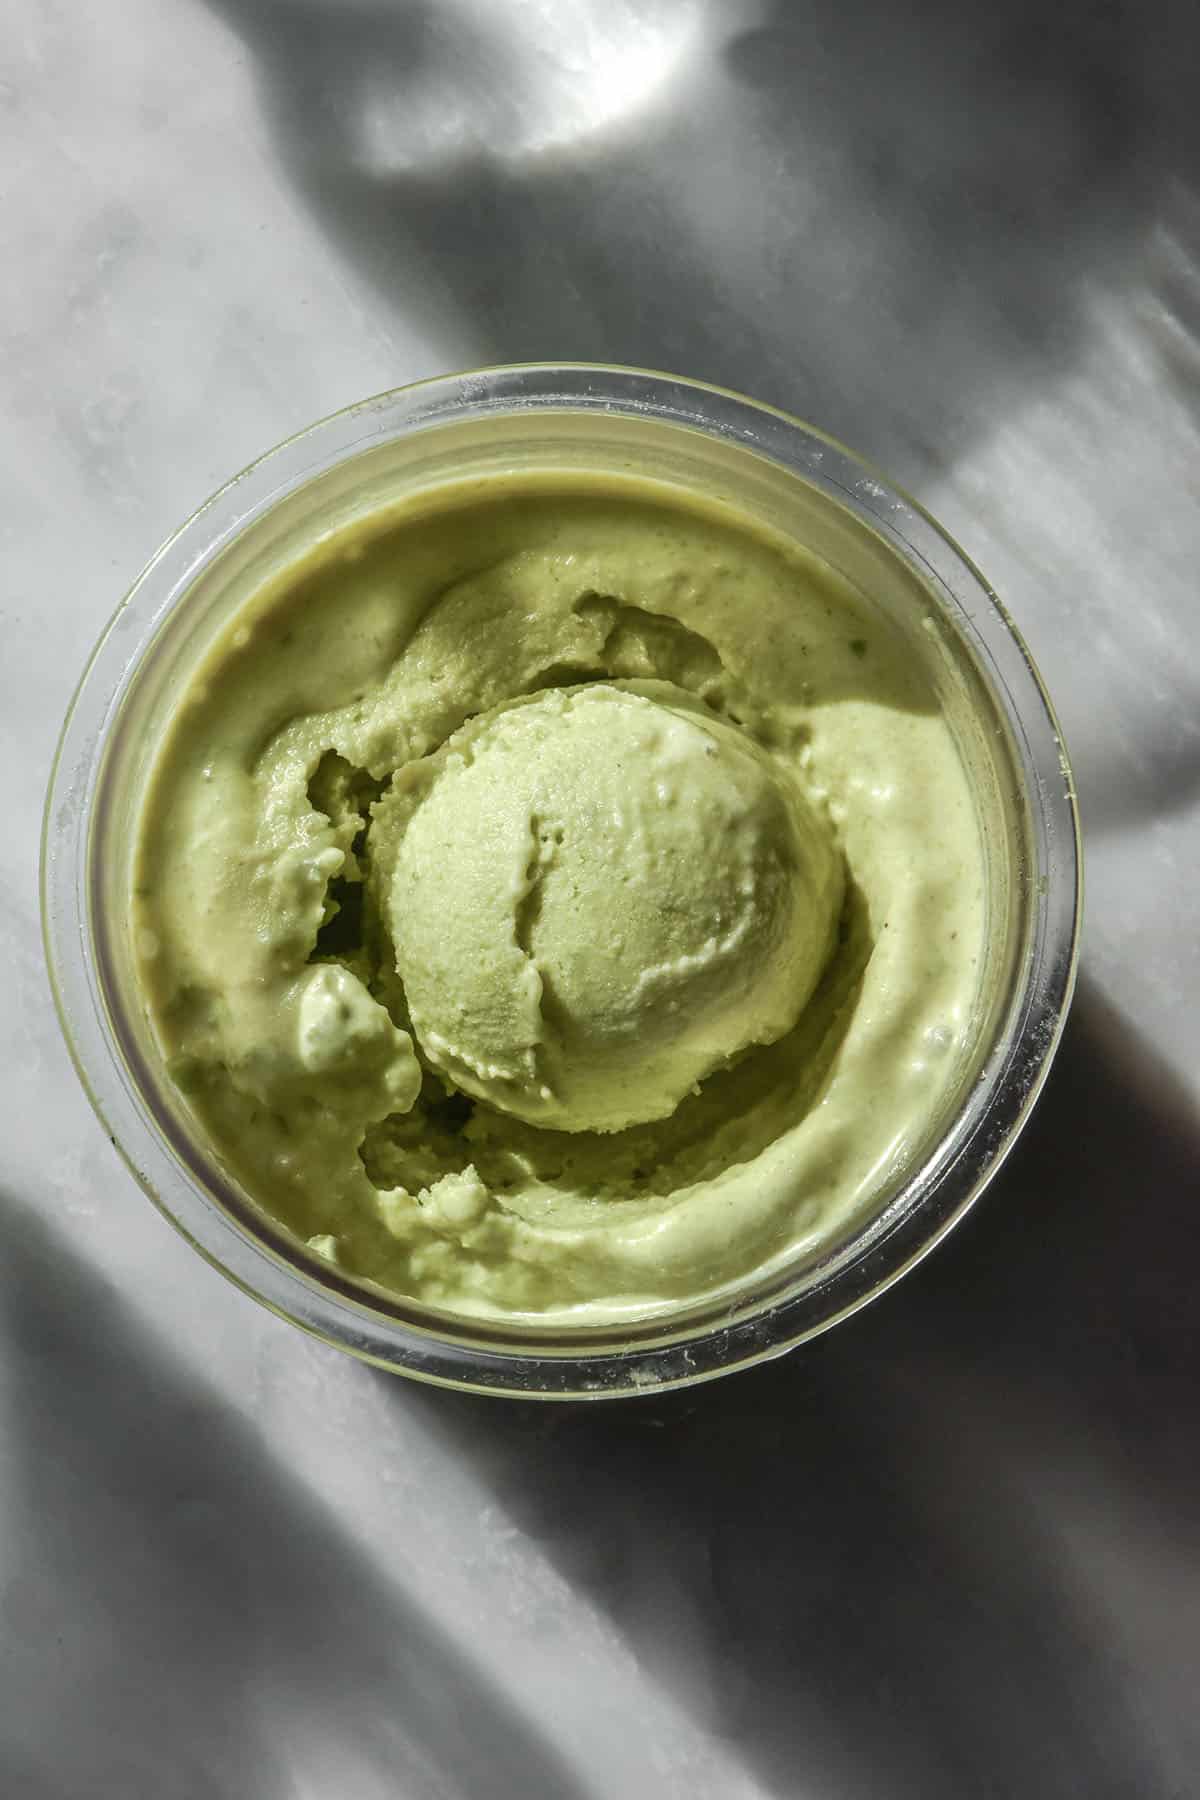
(562, 898)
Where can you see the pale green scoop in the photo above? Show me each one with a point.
(602, 896)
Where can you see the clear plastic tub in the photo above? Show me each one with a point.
(560, 418)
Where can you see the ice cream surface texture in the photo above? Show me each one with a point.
(560, 896)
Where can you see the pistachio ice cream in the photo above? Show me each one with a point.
(561, 897)
(599, 896)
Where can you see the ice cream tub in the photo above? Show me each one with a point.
(562, 881)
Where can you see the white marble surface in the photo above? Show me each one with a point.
(950, 1550)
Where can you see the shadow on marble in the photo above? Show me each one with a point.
(179, 1596)
(878, 217)
(880, 1565)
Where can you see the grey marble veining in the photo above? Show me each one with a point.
(951, 1549)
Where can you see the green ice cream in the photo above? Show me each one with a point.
(600, 896)
(561, 898)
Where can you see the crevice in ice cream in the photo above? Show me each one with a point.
(598, 918)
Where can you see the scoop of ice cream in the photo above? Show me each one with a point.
(601, 896)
